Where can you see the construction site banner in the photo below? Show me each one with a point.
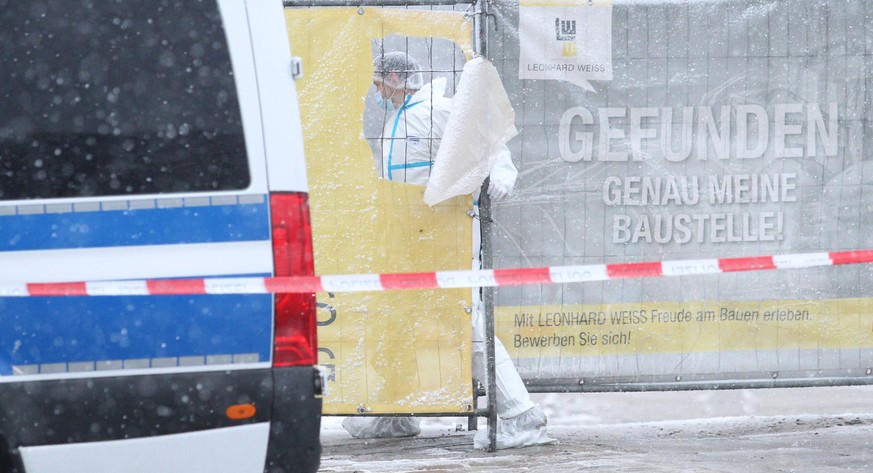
(390, 352)
(715, 129)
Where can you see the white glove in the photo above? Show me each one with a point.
(498, 190)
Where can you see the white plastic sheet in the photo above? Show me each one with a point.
(481, 123)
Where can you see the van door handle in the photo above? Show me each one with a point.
(296, 68)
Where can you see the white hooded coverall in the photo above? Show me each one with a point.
(411, 138)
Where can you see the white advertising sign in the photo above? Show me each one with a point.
(567, 40)
(727, 130)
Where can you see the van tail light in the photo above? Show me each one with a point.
(294, 328)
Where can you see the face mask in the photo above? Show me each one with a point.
(385, 104)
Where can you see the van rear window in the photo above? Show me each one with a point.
(116, 97)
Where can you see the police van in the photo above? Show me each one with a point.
(153, 140)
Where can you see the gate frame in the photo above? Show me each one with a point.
(480, 45)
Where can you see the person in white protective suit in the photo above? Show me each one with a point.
(416, 119)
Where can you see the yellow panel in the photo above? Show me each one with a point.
(684, 327)
(399, 351)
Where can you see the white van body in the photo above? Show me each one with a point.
(153, 139)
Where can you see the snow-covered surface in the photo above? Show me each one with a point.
(768, 430)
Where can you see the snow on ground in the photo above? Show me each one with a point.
(816, 430)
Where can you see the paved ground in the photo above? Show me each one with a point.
(781, 430)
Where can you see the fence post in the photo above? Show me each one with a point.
(480, 43)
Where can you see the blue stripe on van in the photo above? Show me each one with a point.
(46, 330)
(158, 226)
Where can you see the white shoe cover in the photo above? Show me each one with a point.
(524, 430)
(382, 427)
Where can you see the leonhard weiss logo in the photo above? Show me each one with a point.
(565, 33)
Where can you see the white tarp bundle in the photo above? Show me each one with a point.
(481, 123)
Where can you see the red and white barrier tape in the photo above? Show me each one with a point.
(437, 279)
